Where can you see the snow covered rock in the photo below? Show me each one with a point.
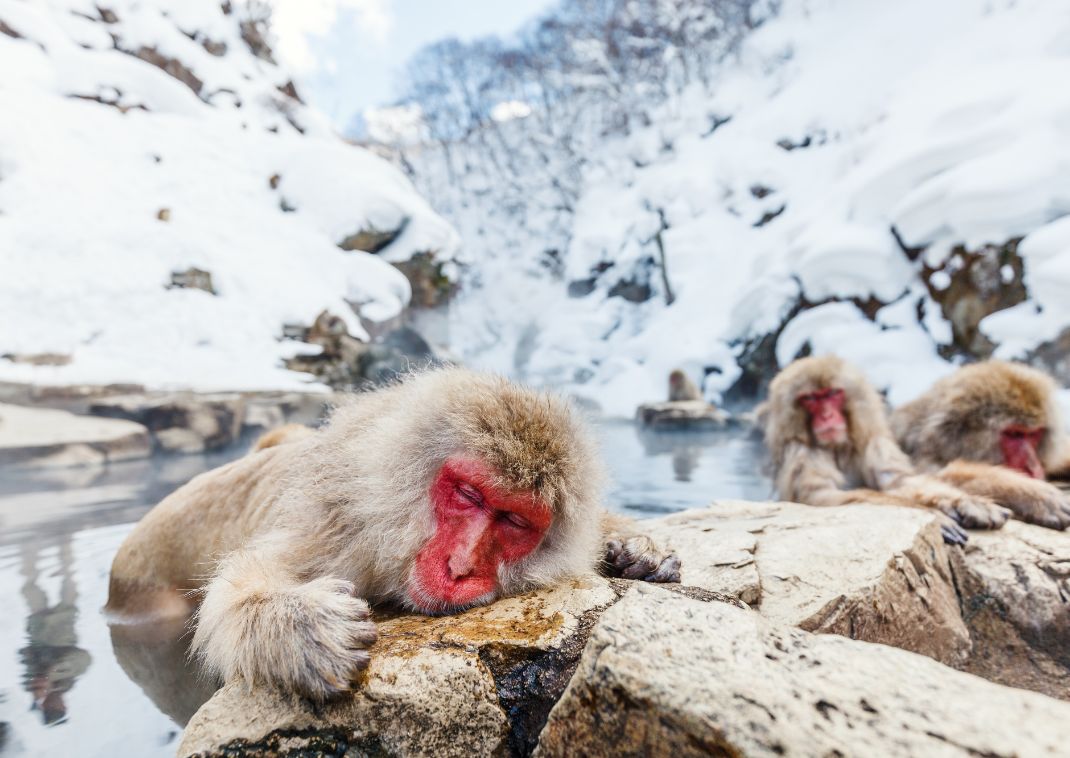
(145, 141)
(664, 674)
(39, 437)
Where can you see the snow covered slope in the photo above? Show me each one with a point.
(873, 150)
(142, 139)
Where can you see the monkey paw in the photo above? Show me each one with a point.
(952, 533)
(973, 511)
(640, 558)
(1053, 511)
(332, 635)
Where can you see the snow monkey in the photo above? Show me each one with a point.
(993, 429)
(827, 431)
(682, 388)
(439, 493)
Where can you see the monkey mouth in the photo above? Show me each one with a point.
(419, 599)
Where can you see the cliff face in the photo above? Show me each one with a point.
(168, 203)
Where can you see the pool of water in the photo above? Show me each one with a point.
(72, 685)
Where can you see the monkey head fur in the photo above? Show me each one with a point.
(963, 415)
(371, 470)
(785, 420)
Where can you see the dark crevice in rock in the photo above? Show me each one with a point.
(319, 742)
(529, 682)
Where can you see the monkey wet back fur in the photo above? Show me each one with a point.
(962, 415)
(352, 501)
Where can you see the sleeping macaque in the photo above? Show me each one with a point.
(682, 388)
(437, 494)
(827, 431)
(993, 429)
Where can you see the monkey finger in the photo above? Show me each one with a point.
(642, 567)
(668, 571)
(613, 550)
(953, 534)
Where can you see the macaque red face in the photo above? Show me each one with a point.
(1019, 445)
(825, 409)
(478, 529)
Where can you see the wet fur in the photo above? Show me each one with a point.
(288, 545)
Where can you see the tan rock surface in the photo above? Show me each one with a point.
(666, 675)
(682, 414)
(873, 573)
(40, 437)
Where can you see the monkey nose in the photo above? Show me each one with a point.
(460, 566)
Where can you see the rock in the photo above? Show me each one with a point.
(1014, 586)
(40, 437)
(478, 683)
(38, 359)
(668, 675)
(373, 240)
(191, 278)
(180, 422)
(267, 410)
(682, 414)
(431, 285)
(873, 573)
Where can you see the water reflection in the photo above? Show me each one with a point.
(52, 660)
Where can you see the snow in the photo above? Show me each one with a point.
(85, 261)
(945, 123)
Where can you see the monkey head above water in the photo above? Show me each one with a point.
(827, 431)
(993, 428)
(442, 492)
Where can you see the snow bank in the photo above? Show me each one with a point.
(115, 173)
(851, 121)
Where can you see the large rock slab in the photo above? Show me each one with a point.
(39, 437)
(666, 675)
(873, 573)
(1015, 588)
(181, 422)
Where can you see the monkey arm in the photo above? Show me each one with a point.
(260, 624)
(1032, 500)
(632, 555)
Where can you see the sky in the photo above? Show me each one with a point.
(348, 54)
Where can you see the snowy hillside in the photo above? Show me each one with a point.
(857, 179)
(141, 140)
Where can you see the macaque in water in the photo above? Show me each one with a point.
(993, 429)
(827, 431)
(682, 388)
(437, 494)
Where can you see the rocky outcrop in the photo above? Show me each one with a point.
(668, 675)
(1015, 586)
(180, 422)
(478, 683)
(40, 437)
(682, 415)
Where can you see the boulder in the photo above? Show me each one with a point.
(682, 415)
(478, 683)
(40, 437)
(668, 675)
(181, 422)
(874, 573)
(1014, 585)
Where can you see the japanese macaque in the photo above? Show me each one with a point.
(827, 431)
(682, 388)
(440, 493)
(993, 429)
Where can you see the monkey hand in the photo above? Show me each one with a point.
(639, 558)
(1049, 508)
(308, 638)
(972, 511)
